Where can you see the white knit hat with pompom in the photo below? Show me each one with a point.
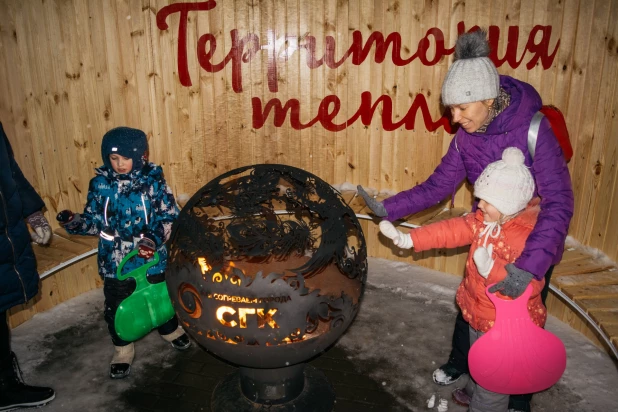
(506, 184)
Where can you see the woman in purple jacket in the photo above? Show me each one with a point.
(494, 112)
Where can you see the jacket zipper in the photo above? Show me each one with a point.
(23, 288)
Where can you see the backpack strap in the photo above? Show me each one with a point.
(533, 132)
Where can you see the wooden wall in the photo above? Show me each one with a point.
(72, 69)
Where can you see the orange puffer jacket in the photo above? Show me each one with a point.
(476, 307)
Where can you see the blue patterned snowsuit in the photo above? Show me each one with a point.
(127, 205)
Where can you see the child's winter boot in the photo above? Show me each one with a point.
(446, 374)
(14, 393)
(461, 397)
(178, 339)
(121, 362)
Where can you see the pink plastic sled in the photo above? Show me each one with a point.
(516, 356)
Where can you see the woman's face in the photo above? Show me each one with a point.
(121, 165)
(490, 213)
(471, 116)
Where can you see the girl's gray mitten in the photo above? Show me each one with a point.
(515, 283)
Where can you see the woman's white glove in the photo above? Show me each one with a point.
(482, 258)
(400, 239)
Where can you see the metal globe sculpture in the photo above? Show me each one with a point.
(267, 268)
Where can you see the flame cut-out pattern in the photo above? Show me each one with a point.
(253, 199)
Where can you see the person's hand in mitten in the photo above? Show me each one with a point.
(400, 239)
(42, 231)
(376, 207)
(68, 219)
(484, 261)
(515, 282)
(146, 246)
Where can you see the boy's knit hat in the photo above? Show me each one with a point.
(127, 142)
(506, 184)
(472, 77)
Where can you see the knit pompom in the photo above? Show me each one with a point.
(472, 45)
(512, 156)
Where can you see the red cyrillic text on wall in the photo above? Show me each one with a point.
(245, 47)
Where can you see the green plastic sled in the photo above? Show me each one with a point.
(148, 307)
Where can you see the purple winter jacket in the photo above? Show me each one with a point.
(469, 154)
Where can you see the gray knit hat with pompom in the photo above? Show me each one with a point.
(472, 77)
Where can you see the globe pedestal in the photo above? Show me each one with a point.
(295, 388)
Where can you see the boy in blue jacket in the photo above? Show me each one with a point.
(129, 205)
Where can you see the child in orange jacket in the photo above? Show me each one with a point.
(497, 234)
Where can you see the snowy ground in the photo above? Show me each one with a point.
(402, 333)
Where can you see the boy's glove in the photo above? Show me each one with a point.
(376, 207)
(515, 282)
(146, 246)
(68, 219)
(484, 261)
(42, 230)
(400, 239)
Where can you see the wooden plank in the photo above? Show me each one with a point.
(565, 65)
(13, 108)
(187, 101)
(52, 253)
(61, 244)
(605, 316)
(572, 255)
(553, 16)
(116, 74)
(564, 312)
(596, 196)
(447, 214)
(604, 173)
(241, 119)
(603, 291)
(386, 19)
(351, 101)
(348, 195)
(77, 74)
(587, 145)
(166, 148)
(358, 205)
(374, 19)
(322, 139)
(338, 85)
(208, 132)
(66, 284)
(588, 279)
(611, 330)
(45, 263)
(48, 295)
(296, 76)
(583, 266)
(590, 304)
(91, 241)
(329, 158)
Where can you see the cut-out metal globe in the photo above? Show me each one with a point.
(267, 268)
